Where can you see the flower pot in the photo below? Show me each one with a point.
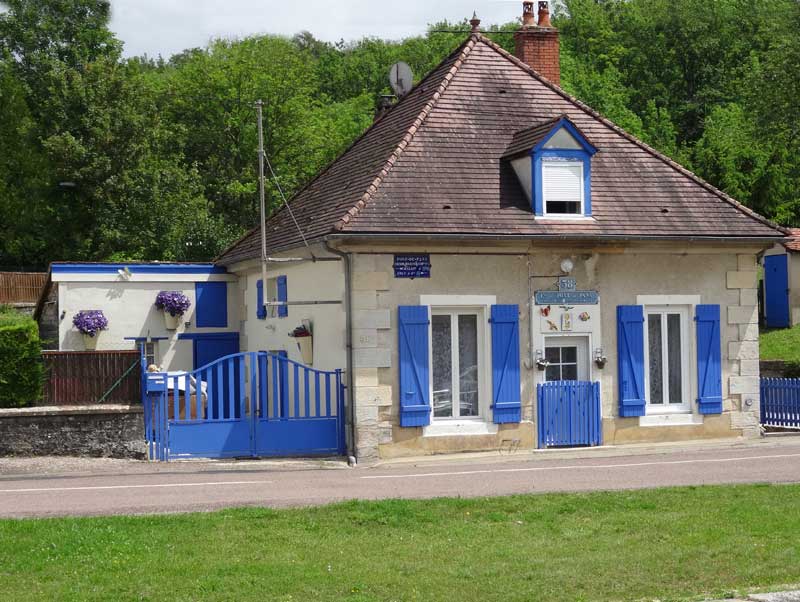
(306, 347)
(172, 322)
(90, 342)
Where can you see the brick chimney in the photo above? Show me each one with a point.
(536, 43)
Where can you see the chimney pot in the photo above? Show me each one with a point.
(544, 14)
(527, 14)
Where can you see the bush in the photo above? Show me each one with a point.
(21, 373)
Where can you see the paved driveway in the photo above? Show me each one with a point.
(40, 488)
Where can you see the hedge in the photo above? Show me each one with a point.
(21, 372)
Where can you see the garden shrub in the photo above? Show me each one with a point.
(21, 372)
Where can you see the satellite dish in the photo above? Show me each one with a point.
(401, 78)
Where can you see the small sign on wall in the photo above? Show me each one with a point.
(412, 266)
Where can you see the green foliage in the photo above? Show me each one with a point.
(159, 157)
(780, 344)
(20, 359)
(689, 543)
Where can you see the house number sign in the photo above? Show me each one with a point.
(566, 295)
(412, 266)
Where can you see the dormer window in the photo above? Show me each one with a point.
(552, 161)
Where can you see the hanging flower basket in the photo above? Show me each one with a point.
(90, 323)
(174, 304)
(302, 335)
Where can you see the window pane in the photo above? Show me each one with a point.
(442, 366)
(552, 355)
(569, 372)
(468, 364)
(552, 373)
(569, 355)
(563, 207)
(656, 360)
(674, 359)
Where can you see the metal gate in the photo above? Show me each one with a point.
(569, 413)
(252, 404)
(780, 402)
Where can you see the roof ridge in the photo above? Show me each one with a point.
(465, 49)
(643, 145)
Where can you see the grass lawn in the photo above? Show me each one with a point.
(667, 544)
(781, 344)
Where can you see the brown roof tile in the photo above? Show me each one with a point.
(433, 165)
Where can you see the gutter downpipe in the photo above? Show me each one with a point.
(350, 381)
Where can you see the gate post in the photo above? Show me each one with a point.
(340, 417)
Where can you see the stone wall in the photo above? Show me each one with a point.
(743, 354)
(95, 431)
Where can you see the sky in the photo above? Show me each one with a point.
(165, 27)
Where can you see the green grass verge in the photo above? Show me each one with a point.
(664, 543)
(781, 344)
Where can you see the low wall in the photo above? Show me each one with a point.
(107, 431)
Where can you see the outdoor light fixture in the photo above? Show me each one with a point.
(541, 363)
(567, 266)
(599, 358)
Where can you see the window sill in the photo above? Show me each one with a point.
(673, 419)
(449, 428)
(565, 217)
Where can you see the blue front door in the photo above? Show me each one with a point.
(776, 291)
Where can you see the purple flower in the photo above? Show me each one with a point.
(174, 302)
(90, 321)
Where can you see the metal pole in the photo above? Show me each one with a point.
(259, 106)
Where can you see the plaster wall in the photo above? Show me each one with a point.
(305, 281)
(129, 307)
(722, 275)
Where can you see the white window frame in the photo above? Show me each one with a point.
(685, 407)
(584, 354)
(454, 304)
(556, 161)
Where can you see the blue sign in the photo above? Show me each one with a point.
(412, 266)
(566, 297)
(565, 283)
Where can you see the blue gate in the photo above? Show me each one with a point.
(569, 414)
(780, 402)
(776, 291)
(245, 405)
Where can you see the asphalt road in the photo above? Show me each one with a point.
(183, 487)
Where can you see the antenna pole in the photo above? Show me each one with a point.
(259, 106)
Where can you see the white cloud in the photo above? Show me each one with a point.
(169, 26)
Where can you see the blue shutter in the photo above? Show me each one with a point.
(709, 365)
(261, 311)
(630, 356)
(283, 296)
(415, 406)
(506, 404)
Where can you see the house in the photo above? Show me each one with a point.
(126, 295)
(493, 263)
(781, 284)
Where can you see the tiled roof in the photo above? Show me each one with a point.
(433, 165)
(792, 243)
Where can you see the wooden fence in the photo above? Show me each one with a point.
(21, 287)
(88, 377)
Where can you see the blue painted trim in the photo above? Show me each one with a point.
(212, 304)
(137, 268)
(141, 339)
(208, 336)
(538, 152)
